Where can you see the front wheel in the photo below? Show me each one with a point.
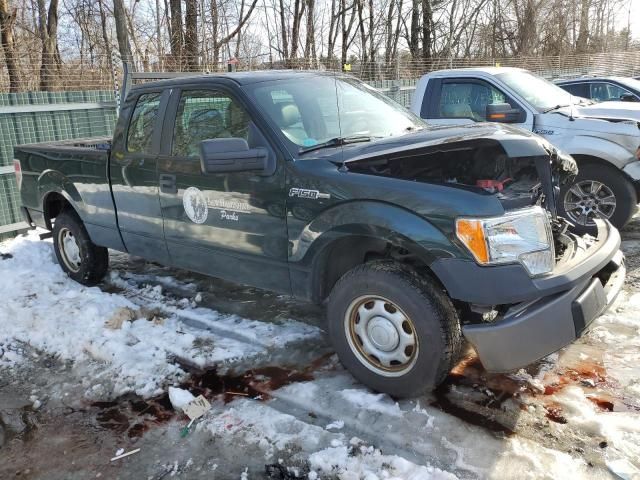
(598, 191)
(396, 331)
(78, 256)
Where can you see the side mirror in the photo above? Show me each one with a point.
(628, 97)
(220, 155)
(504, 113)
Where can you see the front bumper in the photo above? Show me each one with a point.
(532, 329)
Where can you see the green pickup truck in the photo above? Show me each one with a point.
(315, 185)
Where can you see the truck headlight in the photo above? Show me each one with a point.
(522, 236)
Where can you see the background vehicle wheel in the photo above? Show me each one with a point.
(598, 191)
(395, 331)
(83, 261)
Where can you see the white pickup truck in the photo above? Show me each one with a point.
(604, 138)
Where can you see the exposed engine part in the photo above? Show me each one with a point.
(514, 180)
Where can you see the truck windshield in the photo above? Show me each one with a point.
(540, 93)
(322, 110)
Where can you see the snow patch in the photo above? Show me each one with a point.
(380, 403)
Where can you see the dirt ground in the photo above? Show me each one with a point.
(286, 411)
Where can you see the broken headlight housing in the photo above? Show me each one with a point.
(522, 236)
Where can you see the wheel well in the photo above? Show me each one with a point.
(599, 161)
(344, 254)
(54, 204)
(591, 159)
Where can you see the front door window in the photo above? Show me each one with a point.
(205, 115)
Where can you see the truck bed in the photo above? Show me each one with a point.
(96, 143)
(75, 169)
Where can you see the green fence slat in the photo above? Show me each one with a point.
(34, 127)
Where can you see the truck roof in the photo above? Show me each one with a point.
(242, 78)
(488, 69)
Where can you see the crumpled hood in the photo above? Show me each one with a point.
(589, 119)
(629, 110)
(516, 143)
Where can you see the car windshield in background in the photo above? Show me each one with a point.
(311, 111)
(540, 93)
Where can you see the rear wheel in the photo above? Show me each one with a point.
(78, 256)
(394, 330)
(598, 191)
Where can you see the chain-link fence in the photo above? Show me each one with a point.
(81, 95)
(97, 72)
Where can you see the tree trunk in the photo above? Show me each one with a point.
(122, 32)
(283, 31)
(310, 44)
(176, 30)
(298, 11)
(583, 34)
(191, 35)
(426, 29)
(7, 22)
(414, 37)
(105, 34)
(333, 30)
(49, 37)
(158, 31)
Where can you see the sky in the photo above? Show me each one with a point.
(635, 18)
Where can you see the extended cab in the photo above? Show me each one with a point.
(317, 186)
(604, 139)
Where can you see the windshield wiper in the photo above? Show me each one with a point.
(337, 142)
(554, 108)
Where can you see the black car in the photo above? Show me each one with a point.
(603, 89)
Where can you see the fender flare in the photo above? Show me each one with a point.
(384, 224)
(605, 150)
(375, 219)
(52, 181)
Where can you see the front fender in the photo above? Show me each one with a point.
(606, 150)
(373, 219)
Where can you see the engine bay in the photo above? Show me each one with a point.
(487, 169)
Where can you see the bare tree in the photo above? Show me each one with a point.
(583, 35)
(7, 23)
(191, 35)
(220, 40)
(48, 26)
(175, 29)
(122, 31)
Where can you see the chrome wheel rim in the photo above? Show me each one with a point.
(588, 200)
(69, 250)
(381, 335)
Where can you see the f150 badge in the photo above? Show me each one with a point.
(304, 193)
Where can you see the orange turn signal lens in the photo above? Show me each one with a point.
(470, 233)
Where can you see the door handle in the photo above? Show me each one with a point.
(168, 184)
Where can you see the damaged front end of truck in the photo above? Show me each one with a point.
(512, 311)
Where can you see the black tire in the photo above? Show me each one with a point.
(90, 263)
(432, 316)
(623, 190)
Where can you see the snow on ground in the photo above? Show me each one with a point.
(138, 332)
(130, 347)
